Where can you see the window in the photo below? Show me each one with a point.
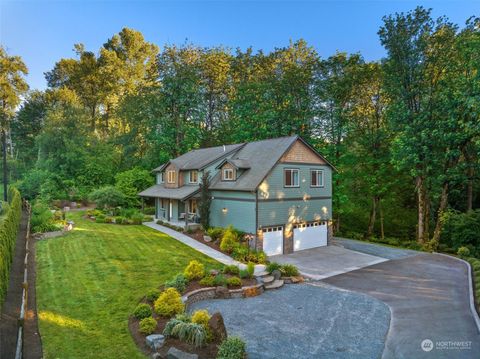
(316, 178)
(193, 177)
(160, 177)
(171, 176)
(291, 178)
(228, 174)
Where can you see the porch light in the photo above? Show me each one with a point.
(224, 210)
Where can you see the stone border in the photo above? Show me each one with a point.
(470, 289)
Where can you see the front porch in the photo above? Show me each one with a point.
(177, 212)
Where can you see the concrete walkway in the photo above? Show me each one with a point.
(202, 248)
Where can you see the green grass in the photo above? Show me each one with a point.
(90, 280)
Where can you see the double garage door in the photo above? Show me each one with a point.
(305, 236)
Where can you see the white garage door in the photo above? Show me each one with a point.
(273, 240)
(309, 235)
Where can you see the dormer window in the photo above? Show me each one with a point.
(228, 174)
(193, 177)
(171, 176)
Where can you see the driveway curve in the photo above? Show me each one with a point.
(306, 321)
(428, 295)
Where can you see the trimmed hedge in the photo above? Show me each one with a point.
(8, 235)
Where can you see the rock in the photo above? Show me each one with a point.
(155, 341)
(217, 326)
(222, 293)
(157, 356)
(174, 353)
(214, 272)
(207, 238)
(276, 274)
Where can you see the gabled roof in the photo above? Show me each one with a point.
(261, 156)
(201, 158)
(237, 163)
(159, 190)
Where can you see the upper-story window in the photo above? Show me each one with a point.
(291, 177)
(228, 174)
(193, 177)
(316, 178)
(171, 176)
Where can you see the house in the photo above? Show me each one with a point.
(279, 190)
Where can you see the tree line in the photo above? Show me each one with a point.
(403, 131)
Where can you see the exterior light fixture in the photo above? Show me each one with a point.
(224, 210)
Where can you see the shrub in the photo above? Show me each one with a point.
(148, 325)
(232, 348)
(179, 282)
(149, 211)
(461, 229)
(273, 266)
(137, 218)
(169, 303)
(289, 270)
(240, 253)
(201, 317)
(229, 240)
(152, 295)
(42, 219)
(234, 282)
(244, 274)
(120, 220)
(250, 269)
(107, 197)
(100, 219)
(131, 182)
(147, 219)
(108, 219)
(220, 280)
(231, 269)
(215, 233)
(463, 252)
(208, 281)
(142, 311)
(257, 257)
(194, 270)
(182, 328)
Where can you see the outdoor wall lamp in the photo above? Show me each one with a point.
(224, 210)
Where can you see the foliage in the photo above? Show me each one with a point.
(185, 330)
(250, 269)
(131, 182)
(461, 229)
(179, 282)
(215, 233)
(152, 295)
(42, 219)
(208, 281)
(234, 282)
(205, 200)
(229, 240)
(148, 325)
(201, 317)
(232, 348)
(231, 269)
(108, 197)
(273, 266)
(463, 252)
(244, 274)
(289, 270)
(475, 263)
(194, 270)
(244, 254)
(220, 280)
(8, 235)
(169, 303)
(142, 311)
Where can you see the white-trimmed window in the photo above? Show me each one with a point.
(291, 177)
(228, 174)
(193, 177)
(316, 178)
(171, 176)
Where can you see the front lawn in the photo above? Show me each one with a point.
(90, 280)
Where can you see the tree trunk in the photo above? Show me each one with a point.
(426, 217)
(421, 209)
(380, 210)
(373, 214)
(5, 172)
(471, 174)
(441, 209)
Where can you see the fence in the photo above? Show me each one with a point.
(23, 309)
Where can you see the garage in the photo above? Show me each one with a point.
(309, 235)
(273, 240)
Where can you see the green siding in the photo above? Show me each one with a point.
(240, 213)
(281, 210)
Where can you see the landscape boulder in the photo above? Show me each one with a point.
(174, 353)
(276, 274)
(155, 341)
(207, 238)
(222, 293)
(217, 327)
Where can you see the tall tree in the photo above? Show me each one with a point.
(12, 87)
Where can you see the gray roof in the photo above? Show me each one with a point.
(201, 158)
(180, 193)
(237, 163)
(261, 157)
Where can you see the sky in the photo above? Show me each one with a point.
(42, 32)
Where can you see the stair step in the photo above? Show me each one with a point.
(275, 284)
(268, 279)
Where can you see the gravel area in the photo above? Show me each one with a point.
(306, 321)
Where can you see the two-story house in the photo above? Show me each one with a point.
(279, 190)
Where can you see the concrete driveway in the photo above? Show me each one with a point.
(323, 262)
(429, 298)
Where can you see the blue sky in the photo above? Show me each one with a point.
(42, 32)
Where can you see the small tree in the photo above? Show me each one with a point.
(205, 200)
(108, 197)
